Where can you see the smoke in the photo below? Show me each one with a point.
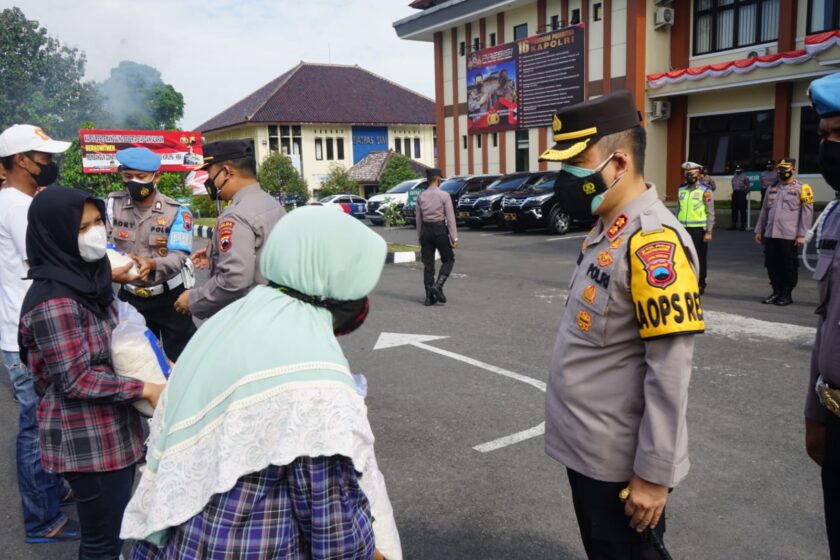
(127, 94)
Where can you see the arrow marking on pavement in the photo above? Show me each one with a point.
(392, 340)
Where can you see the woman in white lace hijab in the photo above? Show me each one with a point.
(260, 446)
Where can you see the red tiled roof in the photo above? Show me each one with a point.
(329, 94)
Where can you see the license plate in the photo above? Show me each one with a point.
(510, 217)
(463, 214)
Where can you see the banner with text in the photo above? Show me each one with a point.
(179, 151)
(522, 84)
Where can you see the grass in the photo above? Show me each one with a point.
(204, 221)
(397, 247)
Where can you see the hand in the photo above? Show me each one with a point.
(815, 440)
(758, 238)
(800, 241)
(645, 504)
(120, 275)
(182, 304)
(145, 266)
(151, 392)
(377, 555)
(708, 237)
(200, 259)
(454, 244)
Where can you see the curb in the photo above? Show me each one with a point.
(202, 231)
(402, 257)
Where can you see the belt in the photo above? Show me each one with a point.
(829, 396)
(159, 289)
(434, 223)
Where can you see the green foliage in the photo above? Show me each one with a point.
(397, 170)
(41, 81)
(167, 106)
(277, 175)
(393, 216)
(202, 205)
(338, 182)
(137, 97)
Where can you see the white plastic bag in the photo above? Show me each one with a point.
(137, 353)
(118, 260)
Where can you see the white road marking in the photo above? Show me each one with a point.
(392, 340)
(567, 237)
(741, 327)
(495, 234)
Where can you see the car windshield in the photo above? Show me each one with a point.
(328, 198)
(452, 185)
(546, 183)
(507, 183)
(403, 187)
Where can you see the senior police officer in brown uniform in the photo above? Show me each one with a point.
(618, 384)
(156, 232)
(437, 232)
(785, 218)
(240, 232)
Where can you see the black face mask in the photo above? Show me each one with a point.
(784, 175)
(347, 315)
(830, 163)
(691, 179)
(575, 194)
(212, 188)
(47, 175)
(139, 191)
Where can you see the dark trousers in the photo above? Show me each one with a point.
(697, 234)
(101, 498)
(172, 328)
(435, 236)
(604, 529)
(739, 209)
(831, 484)
(782, 261)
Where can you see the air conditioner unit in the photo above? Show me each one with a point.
(663, 2)
(661, 110)
(663, 18)
(758, 51)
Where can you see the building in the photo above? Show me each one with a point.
(368, 173)
(326, 114)
(721, 82)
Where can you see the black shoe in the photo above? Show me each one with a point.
(437, 289)
(430, 297)
(772, 297)
(784, 299)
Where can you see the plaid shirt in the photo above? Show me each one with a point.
(86, 421)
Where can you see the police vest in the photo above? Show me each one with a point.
(693, 212)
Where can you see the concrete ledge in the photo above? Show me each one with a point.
(402, 257)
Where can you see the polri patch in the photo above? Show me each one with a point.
(225, 236)
(584, 321)
(605, 259)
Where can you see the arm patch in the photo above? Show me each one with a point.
(807, 195)
(663, 286)
(180, 234)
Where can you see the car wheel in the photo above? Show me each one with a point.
(559, 222)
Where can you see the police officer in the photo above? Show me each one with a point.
(784, 220)
(769, 178)
(696, 212)
(822, 405)
(156, 232)
(740, 190)
(707, 179)
(437, 231)
(618, 384)
(240, 233)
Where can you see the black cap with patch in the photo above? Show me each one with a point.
(226, 150)
(579, 126)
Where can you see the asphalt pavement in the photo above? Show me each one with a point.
(453, 415)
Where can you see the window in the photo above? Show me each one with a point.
(597, 12)
(462, 48)
(464, 141)
(720, 25)
(339, 148)
(398, 145)
(272, 138)
(319, 148)
(721, 142)
(495, 139)
(575, 16)
(407, 147)
(823, 15)
(520, 31)
(478, 141)
(492, 39)
(330, 151)
(289, 139)
(522, 150)
(555, 22)
(476, 44)
(416, 148)
(809, 141)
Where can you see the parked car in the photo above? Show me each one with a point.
(292, 200)
(348, 203)
(398, 194)
(537, 207)
(485, 207)
(456, 187)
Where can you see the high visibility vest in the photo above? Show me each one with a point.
(693, 212)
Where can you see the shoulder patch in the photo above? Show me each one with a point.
(225, 235)
(707, 195)
(807, 195)
(180, 234)
(663, 286)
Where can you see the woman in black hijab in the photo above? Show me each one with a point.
(88, 429)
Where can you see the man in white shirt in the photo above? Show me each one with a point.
(26, 154)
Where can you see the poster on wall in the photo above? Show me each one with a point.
(522, 84)
(491, 90)
(179, 151)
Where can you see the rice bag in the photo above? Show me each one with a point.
(118, 260)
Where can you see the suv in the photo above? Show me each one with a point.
(537, 207)
(396, 195)
(456, 187)
(485, 207)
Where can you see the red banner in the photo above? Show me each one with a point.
(179, 151)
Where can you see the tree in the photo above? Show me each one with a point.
(167, 105)
(139, 99)
(338, 182)
(277, 175)
(41, 81)
(397, 170)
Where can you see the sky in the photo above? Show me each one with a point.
(216, 52)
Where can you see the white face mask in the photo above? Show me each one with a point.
(93, 243)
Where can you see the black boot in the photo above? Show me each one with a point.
(786, 298)
(430, 297)
(777, 292)
(437, 289)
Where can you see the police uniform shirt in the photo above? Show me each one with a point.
(824, 360)
(435, 205)
(769, 178)
(693, 199)
(740, 183)
(618, 386)
(162, 231)
(234, 251)
(787, 211)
